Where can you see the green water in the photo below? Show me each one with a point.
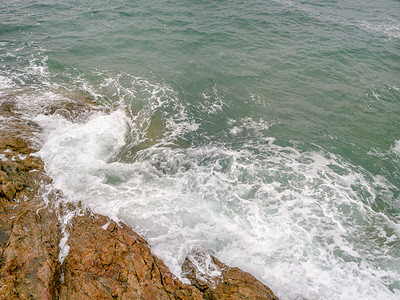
(286, 81)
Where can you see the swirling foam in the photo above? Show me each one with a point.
(300, 221)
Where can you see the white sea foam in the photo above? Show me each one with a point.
(299, 221)
(206, 269)
(64, 247)
(105, 226)
(396, 148)
(6, 82)
(33, 103)
(90, 146)
(213, 102)
(391, 28)
(235, 130)
(38, 67)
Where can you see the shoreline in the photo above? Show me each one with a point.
(105, 260)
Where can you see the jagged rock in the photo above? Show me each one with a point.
(115, 263)
(29, 231)
(3, 177)
(232, 283)
(8, 190)
(29, 260)
(72, 109)
(16, 144)
(16, 175)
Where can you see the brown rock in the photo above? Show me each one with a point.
(233, 283)
(15, 143)
(29, 232)
(3, 177)
(29, 265)
(16, 175)
(8, 190)
(115, 263)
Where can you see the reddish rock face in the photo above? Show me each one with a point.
(115, 263)
(29, 266)
(233, 283)
(29, 231)
(111, 263)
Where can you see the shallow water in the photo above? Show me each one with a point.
(264, 132)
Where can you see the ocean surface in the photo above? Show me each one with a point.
(264, 132)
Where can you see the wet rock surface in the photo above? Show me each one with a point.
(29, 230)
(232, 283)
(105, 260)
(29, 257)
(115, 262)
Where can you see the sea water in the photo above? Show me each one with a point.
(266, 133)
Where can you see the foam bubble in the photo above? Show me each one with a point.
(235, 130)
(38, 67)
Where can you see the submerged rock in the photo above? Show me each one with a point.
(105, 260)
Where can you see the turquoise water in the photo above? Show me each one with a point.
(264, 132)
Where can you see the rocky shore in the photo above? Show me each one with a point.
(105, 260)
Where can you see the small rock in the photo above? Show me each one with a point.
(232, 284)
(3, 177)
(8, 190)
(15, 143)
(18, 185)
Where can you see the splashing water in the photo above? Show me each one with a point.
(262, 132)
(277, 212)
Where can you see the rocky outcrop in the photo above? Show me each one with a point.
(114, 262)
(105, 260)
(29, 257)
(29, 230)
(232, 283)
